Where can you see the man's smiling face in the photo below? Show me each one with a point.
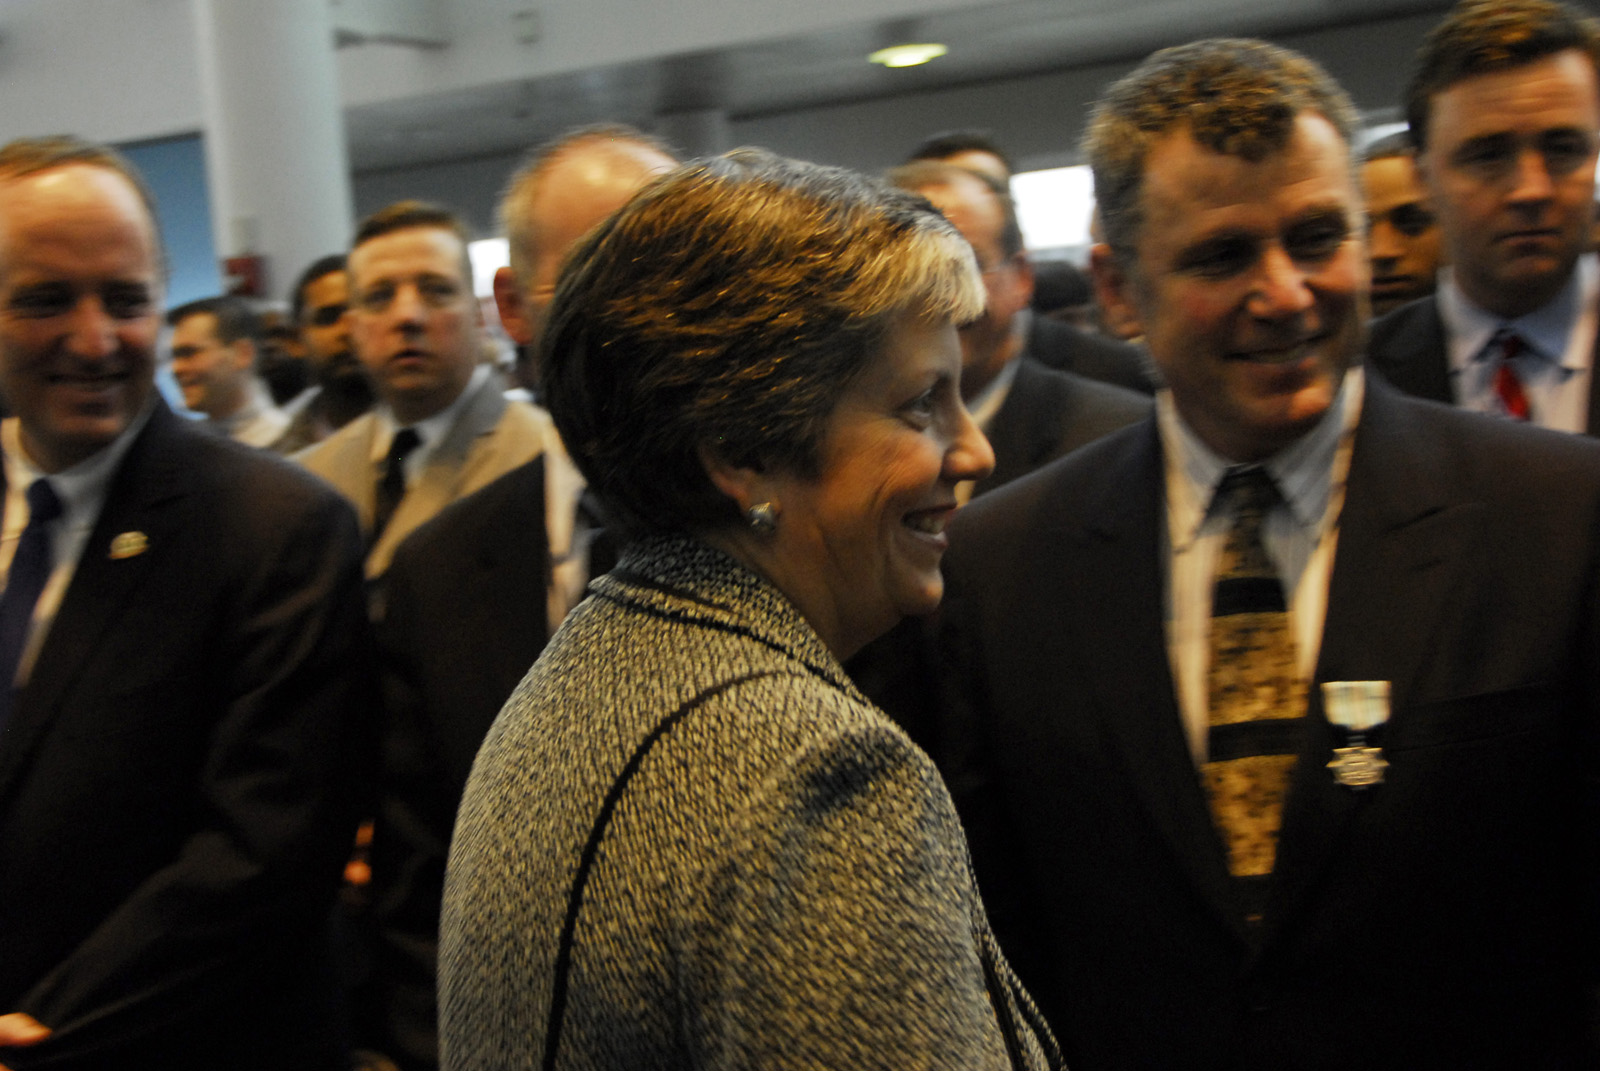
(80, 296)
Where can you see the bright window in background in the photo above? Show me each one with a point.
(1054, 207)
(1374, 133)
(488, 255)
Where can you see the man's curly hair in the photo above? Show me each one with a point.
(1233, 96)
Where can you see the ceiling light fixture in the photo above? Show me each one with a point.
(907, 55)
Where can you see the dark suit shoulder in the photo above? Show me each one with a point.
(241, 487)
(1058, 345)
(1049, 413)
(1092, 407)
(1072, 492)
(1410, 318)
(513, 503)
(1478, 450)
(1407, 347)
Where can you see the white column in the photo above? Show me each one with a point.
(277, 166)
(702, 132)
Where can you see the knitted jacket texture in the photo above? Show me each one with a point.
(769, 873)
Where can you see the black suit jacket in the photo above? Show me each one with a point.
(1443, 919)
(178, 777)
(1408, 348)
(1048, 414)
(1062, 346)
(466, 618)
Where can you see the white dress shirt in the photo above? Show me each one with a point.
(1300, 536)
(1556, 364)
(82, 491)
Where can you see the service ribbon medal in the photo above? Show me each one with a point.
(1357, 707)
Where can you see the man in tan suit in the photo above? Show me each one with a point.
(442, 428)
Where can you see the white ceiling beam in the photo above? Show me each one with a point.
(417, 23)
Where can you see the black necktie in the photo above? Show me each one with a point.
(392, 484)
(30, 569)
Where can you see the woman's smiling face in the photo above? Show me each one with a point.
(858, 547)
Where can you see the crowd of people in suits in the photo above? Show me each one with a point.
(1264, 691)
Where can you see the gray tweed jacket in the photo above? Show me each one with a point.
(768, 873)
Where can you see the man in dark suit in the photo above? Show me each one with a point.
(474, 594)
(1030, 413)
(1273, 719)
(181, 752)
(1503, 112)
(443, 427)
(1089, 354)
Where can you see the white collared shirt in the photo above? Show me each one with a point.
(82, 491)
(569, 536)
(432, 430)
(1300, 536)
(259, 423)
(1554, 368)
(984, 408)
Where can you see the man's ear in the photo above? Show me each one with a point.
(244, 354)
(513, 310)
(1114, 290)
(1024, 280)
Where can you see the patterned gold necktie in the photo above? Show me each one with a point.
(1257, 699)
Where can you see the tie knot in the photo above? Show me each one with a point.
(405, 440)
(43, 505)
(1509, 344)
(1250, 488)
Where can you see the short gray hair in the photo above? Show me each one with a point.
(732, 303)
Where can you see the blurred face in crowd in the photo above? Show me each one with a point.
(985, 162)
(80, 298)
(988, 342)
(1249, 284)
(325, 327)
(414, 319)
(1510, 163)
(214, 375)
(577, 191)
(858, 547)
(1402, 238)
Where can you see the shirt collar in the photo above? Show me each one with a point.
(432, 430)
(1546, 331)
(1303, 470)
(989, 400)
(257, 401)
(81, 488)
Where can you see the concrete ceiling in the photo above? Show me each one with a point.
(988, 43)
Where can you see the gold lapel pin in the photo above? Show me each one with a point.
(128, 545)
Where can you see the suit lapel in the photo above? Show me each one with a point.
(1015, 434)
(1592, 422)
(1136, 700)
(138, 502)
(450, 468)
(1404, 539)
(1413, 356)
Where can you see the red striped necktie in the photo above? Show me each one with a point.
(1507, 387)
